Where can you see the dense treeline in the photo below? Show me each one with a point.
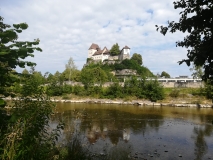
(134, 86)
(93, 76)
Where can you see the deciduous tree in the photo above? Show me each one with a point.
(13, 53)
(195, 19)
(197, 71)
(138, 58)
(70, 68)
(165, 74)
(91, 76)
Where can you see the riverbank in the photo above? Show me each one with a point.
(138, 102)
(134, 102)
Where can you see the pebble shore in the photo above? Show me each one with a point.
(133, 102)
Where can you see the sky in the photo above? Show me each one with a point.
(67, 28)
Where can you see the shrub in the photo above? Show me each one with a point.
(27, 136)
(175, 93)
(153, 90)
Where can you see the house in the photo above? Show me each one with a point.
(98, 54)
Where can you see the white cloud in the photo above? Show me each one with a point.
(67, 28)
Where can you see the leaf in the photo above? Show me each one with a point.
(18, 30)
(39, 49)
(16, 26)
(23, 51)
(23, 25)
(3, 53)
(2, 103)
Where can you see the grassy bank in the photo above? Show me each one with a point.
(171, 95)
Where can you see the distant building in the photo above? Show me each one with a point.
(98, 54)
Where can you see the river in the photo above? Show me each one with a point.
(140, 132)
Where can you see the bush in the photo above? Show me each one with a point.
(115, 91)
(78, 90)
(67, 89)
(153, 90)
(27, 136)
(175, 93)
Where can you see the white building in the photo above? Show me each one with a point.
(95, 53)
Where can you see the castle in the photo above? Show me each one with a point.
(96, 54)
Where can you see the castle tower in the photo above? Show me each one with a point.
(92, 49)
(125, 53)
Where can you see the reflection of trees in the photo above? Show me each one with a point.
(116, 124)
(201, 147)
(112, 124)
(119, 152)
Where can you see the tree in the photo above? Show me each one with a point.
(196, 19)
(25, 72)
(91, 76)
(165, 74)
(24, 133)
(70, 67)
(197, 71)
(13, 53)
(138, 58)
(115, 50)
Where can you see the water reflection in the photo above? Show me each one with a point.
(201, 146)
(157, 132)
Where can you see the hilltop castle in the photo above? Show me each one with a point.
(95, 53)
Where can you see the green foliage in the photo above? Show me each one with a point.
(67, 89)
(70, 68)
(115, 90)
(153, 90)
(13, 53)
(54, 89)
(78, 90)
(50, 77)
(196, 20)
(197, 71)
(208, 90)
(88, 60)
(28, 135)
(92, 76)
(175, 93)
(55, 85)
(131, 86)
(25, 132)
(75, 150)
(138, 58)
(32, 84)
(115, 50)
(148, 89)
(132, 64)
(25, 72)
(74, 75)
(165, 74)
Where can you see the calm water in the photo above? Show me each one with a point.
(141, 132)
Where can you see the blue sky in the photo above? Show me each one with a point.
(67, 28)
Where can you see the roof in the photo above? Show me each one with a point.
(126, 47)
(97, 52)
(105, 48)
(94, 46)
